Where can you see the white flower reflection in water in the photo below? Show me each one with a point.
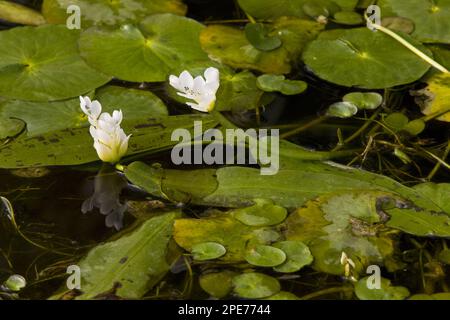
(108, 185)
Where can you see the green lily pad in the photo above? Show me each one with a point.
(255, 285)
(42, 118)
(350, 18)
(298, 256)
(342, 110)
(218, 284)
(257, 35)
(230, 46)
(386, 292)
(436, 296)
(265, 256)
(207, 251)
(145, 52)
(106, 12)
(272, 82)
(431, 18)
(43, 63)
(10, 127)
(262, 213)
(358, 57)
(364, 100)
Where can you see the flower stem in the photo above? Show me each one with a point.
(405, 43)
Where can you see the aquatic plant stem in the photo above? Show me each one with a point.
(438, 165)
(326, 292)
(409, 46)
(303, 128)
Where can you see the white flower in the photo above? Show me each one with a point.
(110, 141)
(201, 90)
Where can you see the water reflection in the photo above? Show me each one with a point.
(108, 185)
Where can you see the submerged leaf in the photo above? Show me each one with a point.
(218, 284)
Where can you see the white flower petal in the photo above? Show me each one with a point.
(186, 80)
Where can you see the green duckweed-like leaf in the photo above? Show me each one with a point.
(43, 63)
(136, 261)
(257, 35)
(386, 292)
(255, 285)
(357, 58)
(230, 233)
(415, 127)
(145, 52)
(106, 12)
(271, 83)
(297, 253)
(396, 121)
(51, 149)
(262, 213)
(230, 46)
(44, 117)
(265, 256)
(431, 18)
(364, 100)
(207, 251)
(218, 284)
(342, 110)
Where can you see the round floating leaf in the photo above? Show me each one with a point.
(257, 35)
(262, 213)
(431, 18)
(218, 284)
(298, 256)
(283, 295)
(396, 121)
(272, 82)
(10, 127)
(43, 63)
(207, 251)
(398, 24)
(41, 118)
(146, 52)
(316, 9)
(358, 57)
(350, 18)
(107, 12)
(265, 256)
(255, 285)
(365, 291)
(415, 127)
(364, 100)
(342, 110)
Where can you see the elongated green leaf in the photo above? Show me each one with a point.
(75, 146)
(132, 265)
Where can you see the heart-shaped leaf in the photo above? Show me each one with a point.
(265, 256)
